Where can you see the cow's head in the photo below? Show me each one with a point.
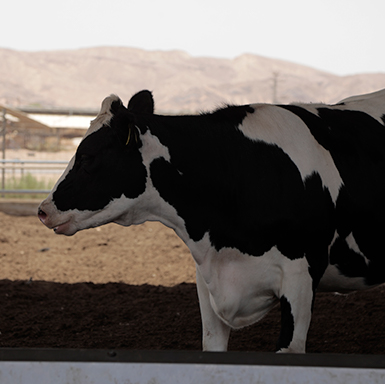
(106, 178)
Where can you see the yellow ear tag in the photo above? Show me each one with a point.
(129, 136)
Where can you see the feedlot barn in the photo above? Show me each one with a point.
(33, 137)
(42, 130)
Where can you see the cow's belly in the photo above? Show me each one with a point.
(243, 288)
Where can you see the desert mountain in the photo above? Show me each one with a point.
(180, 83)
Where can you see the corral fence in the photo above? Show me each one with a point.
(30, 178)
(42, 171)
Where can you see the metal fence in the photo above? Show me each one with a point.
(22, 167)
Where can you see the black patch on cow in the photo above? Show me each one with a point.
(287, 325)
(116, 106)
(356, 142)
(232, 114)
(104, 169)
(349, 262)
(142, 102)
(318, 220)
(246, 194)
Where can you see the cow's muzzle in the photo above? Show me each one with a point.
(61, 224)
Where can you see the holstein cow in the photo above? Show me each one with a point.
(273, 201)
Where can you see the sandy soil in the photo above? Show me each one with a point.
(150, 253)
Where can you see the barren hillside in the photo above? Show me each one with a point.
(180, 82)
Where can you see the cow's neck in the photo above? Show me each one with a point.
(182, 168)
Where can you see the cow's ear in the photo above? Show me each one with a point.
(142, 102)
(116, 105)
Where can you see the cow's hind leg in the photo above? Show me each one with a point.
(296, 298)
(216, 333)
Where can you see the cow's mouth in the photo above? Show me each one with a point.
(65, 228)
(62, 228)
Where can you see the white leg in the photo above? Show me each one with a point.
(296, 299)
(215, 332)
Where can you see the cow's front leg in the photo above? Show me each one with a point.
(215, 332)
(296, 298)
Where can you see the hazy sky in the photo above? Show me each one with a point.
(339, 36)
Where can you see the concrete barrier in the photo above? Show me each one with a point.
(168, 367)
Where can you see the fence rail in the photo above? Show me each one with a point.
(5, 163)
(24, 191)
(45, 166)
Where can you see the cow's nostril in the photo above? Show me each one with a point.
(42, 215)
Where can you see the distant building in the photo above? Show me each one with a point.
(18, 120)
(61, 118)
(39, 128)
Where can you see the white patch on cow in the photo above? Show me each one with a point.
(124, 211)
(370, 103)
(236, 290)
(104, 116)
(150, 206)
(275, 125)
(156, 207)
(152, 149)
(200, 249)
(74, 220)
(215, 332)
(351, 241)
(244, 288)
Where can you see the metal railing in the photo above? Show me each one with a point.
(23, 166)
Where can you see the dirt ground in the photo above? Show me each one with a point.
(134, 288)
(150, 253)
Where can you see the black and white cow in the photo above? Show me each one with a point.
(274, 201)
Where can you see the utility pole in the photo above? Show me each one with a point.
(4, 130)
(275, 87)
